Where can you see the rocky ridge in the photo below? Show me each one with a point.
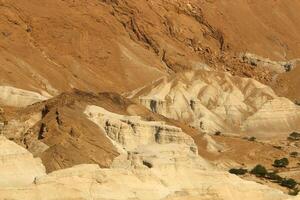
(194, 104)
(215, 101)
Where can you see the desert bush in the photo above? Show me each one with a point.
(281, 162)
(259, 171)
(239, 171)
(289, 183)
(274, 177)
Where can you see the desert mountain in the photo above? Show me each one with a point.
(53, 46)
(149, 99)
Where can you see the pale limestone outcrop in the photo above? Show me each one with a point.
(278, 115)
(11, 96)
(132, 131)
(158, 162)
(277, 66)
(17, 165)
(216, 101)
(152, 172)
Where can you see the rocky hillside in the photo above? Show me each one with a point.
(215, 101)
(120, 45)
(149, 99)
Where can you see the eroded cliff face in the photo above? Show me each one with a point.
(195, 78)
(215, 101)
(157, 171)
(83, 128)
(132, 132)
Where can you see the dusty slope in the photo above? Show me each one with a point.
(287, 84)
(57, 45)
(120, 45)
(267, 28)
(59, 132)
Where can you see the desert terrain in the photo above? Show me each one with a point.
(149, 100)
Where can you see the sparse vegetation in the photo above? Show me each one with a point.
(259, 171)
(289, 183)
(274, 177)
(239, 171)
(281, 162)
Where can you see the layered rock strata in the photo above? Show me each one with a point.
(216, 101)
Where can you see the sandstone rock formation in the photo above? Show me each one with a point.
(276, 66)
(169, 171)
(148, 99)
(132, 131)
(11, 96)
(214, 101)
(82, 128)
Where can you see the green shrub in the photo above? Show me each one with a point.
(274, 177)
(259, 171)
(281, 162)
(239, 171)
(289, 183)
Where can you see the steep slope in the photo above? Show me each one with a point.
(77, 43)
(287, 84)
(267, 28)
(121, 45)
